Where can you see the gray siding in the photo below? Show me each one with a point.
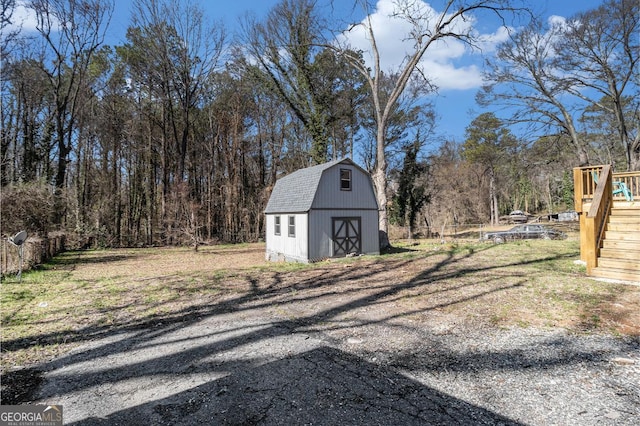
(329, 196)
(320, 223)
(314, 196)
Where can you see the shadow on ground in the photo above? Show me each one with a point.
(229, 346)
(322, 386)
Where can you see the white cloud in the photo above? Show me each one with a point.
(23, 18)
(555, 20)
(489, 42)
(449, 63)
(450, 77)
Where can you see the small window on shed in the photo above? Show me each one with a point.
(292, 226)
(345, 179)
(277, 225)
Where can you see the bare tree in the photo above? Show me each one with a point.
(488, 144)
(179, 49)
(293, 62)
(8, 28)
(599, 52)
(172, 52)
(552, 75)
(457, 189)
(525, 77)
(7, 8)
(427, 28)
(10, 104)
(72, 31)
(25, 115)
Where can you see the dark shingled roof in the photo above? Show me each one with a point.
(295, 192)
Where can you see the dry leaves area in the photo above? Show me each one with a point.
(527, 284)
(428, 333)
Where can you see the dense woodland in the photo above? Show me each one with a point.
(178, 135)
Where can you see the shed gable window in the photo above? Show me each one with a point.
(276, 228)
(345, 179)
(292, 226)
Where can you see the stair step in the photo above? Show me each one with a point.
(622, 236)
(626, 214)
(635, 204)
(622, 245)
(628, 265)
(624, 227)
(625, 219)
(618, 253)
(615, 274)
(625, 211)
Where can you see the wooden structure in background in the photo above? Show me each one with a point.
(37, 250)
(609, 222)
(323, 211)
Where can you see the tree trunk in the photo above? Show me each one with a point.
(63, 152)
(581, 149)
(380, 184)
(493, 199)
(635, 154)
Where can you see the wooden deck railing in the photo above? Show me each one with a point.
(631, 181)
(593, 203)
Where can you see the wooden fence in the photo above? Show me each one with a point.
(36, 251)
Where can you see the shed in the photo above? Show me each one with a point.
(328, 210)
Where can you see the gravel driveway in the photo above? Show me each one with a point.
(385, 341)
(259, 365)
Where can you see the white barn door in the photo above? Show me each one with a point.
(346, 235)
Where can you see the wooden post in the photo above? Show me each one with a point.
(596, 217)
(583, 236)
(578, 199)
(578, 189)
(589, 239)
(593, 216)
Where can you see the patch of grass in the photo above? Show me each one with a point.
(287, 266)
(524, 284)
(591, 321)
(530, 283)
(19, 295)
(554, 297)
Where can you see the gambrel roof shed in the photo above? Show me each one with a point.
(295, 192)
(327, 210)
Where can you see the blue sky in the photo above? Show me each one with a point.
(454, 68)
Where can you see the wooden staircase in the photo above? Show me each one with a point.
(620, 252)
(609, 221)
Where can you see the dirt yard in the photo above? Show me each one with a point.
(430, 333)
